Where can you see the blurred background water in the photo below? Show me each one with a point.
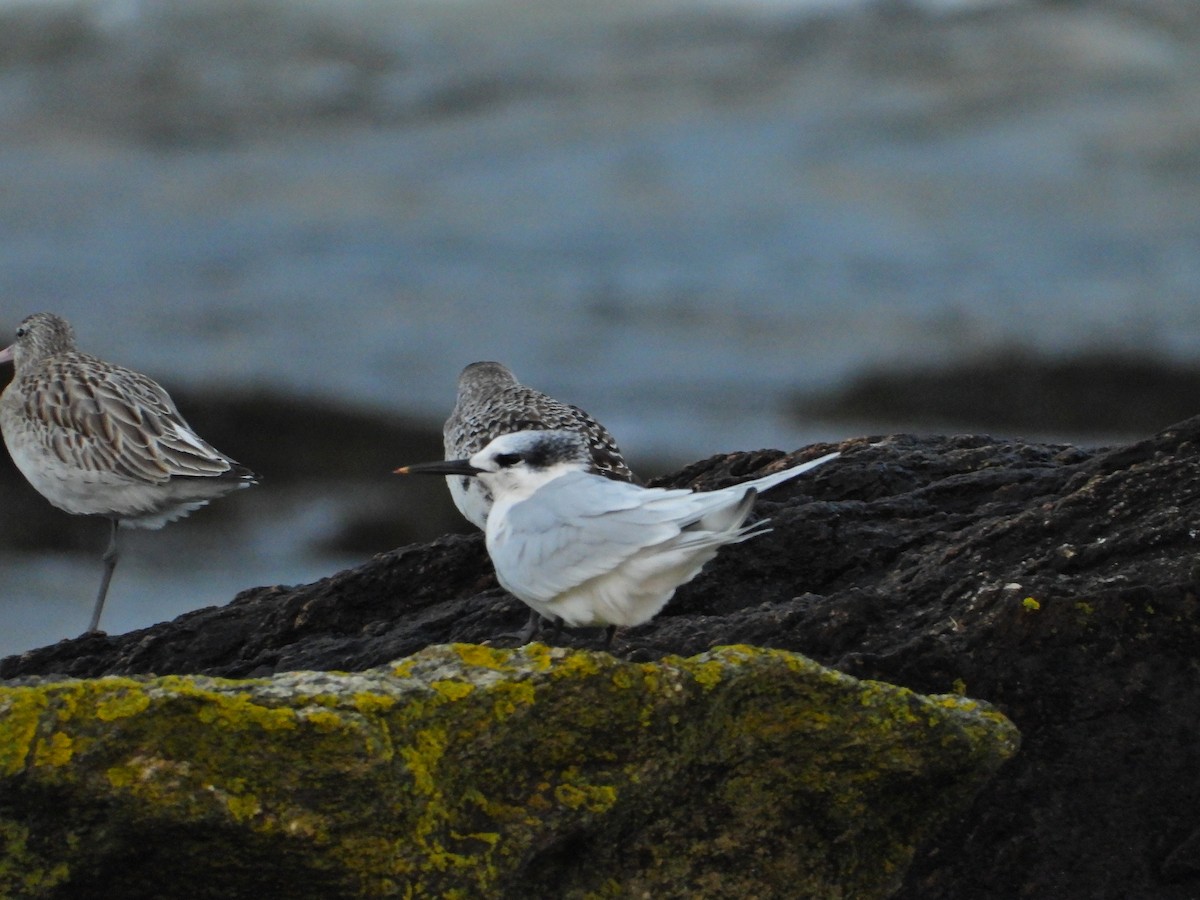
(686, 216)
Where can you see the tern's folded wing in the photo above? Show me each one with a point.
(576, 528)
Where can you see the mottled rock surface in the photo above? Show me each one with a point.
(470, 772)
(1057, 582)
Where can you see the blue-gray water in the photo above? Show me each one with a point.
(675, 215)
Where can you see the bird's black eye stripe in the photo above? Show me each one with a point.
(504, 460)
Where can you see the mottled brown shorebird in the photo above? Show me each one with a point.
(491, 402)
(96, 439)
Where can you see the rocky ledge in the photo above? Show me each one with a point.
(465, 771)
(1055, 582)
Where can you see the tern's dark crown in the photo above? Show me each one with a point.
(548, 448)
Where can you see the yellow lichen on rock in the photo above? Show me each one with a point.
(452, 690)
(54, 750)
(471, 771)
(20, 713)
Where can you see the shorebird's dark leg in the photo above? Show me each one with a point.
(111, 554)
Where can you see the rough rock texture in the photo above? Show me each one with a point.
(471, 772)
(1058, 583)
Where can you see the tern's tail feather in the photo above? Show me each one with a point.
(727, 518)
(769, 481)
(729, 515)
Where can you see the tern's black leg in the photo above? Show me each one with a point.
(528, 630)
(111, 554)
(525, 635)
(608, 637)
(535, 624)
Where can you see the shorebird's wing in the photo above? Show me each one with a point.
(98, 415)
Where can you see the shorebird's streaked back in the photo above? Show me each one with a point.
(592, 551)
(490, 403)
(96, 439)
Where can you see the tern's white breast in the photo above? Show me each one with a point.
(472, 499)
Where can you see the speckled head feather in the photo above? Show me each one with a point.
(39, 336)
(557, 447)
(492, 402)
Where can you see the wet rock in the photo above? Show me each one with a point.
(465, 771)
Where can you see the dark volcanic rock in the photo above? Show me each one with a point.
(1053, 581)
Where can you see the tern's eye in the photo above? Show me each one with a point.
(507, 460)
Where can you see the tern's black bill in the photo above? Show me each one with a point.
(442, 467)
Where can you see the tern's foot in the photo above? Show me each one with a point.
(532, 627)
